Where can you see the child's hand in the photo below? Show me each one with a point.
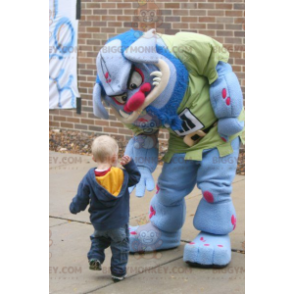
(125, 160)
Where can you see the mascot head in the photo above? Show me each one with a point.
(137, 77)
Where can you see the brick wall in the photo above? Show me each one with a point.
(221, 19)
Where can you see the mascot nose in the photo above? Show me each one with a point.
(138, 98)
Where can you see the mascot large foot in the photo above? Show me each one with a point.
(148, 238)
(208, 250)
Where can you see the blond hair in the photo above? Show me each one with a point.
(104, 148)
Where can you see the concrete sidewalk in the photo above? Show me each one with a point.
(163, 272)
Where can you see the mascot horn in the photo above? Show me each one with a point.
(183, 83)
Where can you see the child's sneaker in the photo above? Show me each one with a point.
(117, 279)
(95, 265)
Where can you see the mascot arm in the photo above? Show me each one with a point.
(227, 101)
(142, 148)
(144, 151)
(207, 57)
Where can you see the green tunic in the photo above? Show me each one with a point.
(200, 55)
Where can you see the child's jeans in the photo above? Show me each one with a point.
(118, 240)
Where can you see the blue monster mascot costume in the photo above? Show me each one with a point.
(182, 83)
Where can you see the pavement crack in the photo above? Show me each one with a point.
(238, 251)
(70, 220)
(96, 289)
(233, 249)
(58, 225)
(134, 275)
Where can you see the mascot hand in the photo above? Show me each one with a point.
(228, 127)
(146, 181)
(225, 93)
(144, 150)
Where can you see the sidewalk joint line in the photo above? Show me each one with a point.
(57, 225)
(233, 249)
(146, 270)
(70, 220)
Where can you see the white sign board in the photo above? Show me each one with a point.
(63, 29)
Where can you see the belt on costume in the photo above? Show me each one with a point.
(194, 138)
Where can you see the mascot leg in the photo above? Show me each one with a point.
(167, 208)
(215, 216)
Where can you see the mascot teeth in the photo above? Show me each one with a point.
(157, 79)
(156, 73)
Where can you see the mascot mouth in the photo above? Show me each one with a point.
(160, 83)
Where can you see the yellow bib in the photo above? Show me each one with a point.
(112, 181)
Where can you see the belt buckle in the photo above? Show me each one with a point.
(188, 138)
